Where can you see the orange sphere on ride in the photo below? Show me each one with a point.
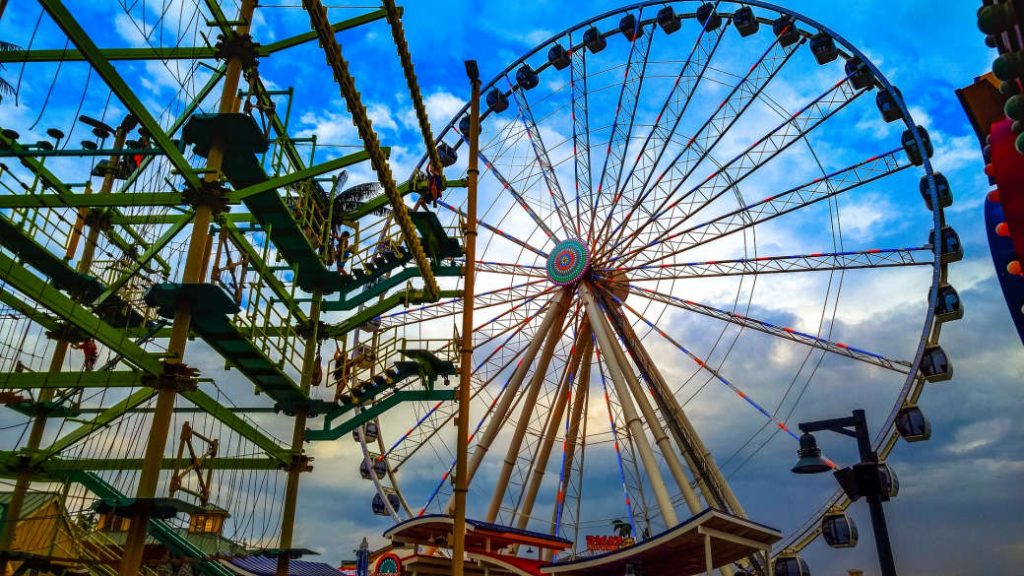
(1015, 268)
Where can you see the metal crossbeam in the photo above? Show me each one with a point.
(177, 52)
(60, 380)
(784, 332)
(795, 198)
(68, 310)
(823, 261)
(105, 69)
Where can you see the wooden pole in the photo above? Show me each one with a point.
(466, 350)
(193, 273)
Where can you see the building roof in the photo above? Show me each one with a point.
(267, 566)
(433, 528)
(680, 551)
(33, 501)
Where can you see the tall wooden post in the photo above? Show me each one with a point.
(466, 351)
(193, 273)
(299, 463)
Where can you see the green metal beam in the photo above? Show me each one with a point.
(151, 251)
(102, 66)
(337, 27)
(257, 263)
(173, 218)
(59, 466)
(25, 308)
(299, 176)
(409, 296)
(381, 201)
(201, 95)
(382, 285)
(377, 409)
(98, 379)
(132, 199)
(57, 469)
(226, 415)
(76, 153)
(101, 421)
(176, 53)
(51, 181)
(57, 302)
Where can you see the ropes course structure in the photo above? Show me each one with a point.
(675, 257)
(674, 264)
(177, 205)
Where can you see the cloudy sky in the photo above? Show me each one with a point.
(957, 512)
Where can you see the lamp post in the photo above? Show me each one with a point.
(862, 479)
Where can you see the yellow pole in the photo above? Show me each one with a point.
(466, 351)
(298, 465)
(193, 273)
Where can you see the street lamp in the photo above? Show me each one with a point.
(862, 479)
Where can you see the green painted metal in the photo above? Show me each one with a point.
(97, 379)
(101, 421)
(281, 454)
(384, 285)
(158, 529)
(26, 309)
(272, 184)
(337, 27)
(54, 300)
(257, 263)
(63, 276)
(211, 308)
(75, 153)
(102, 66)
(407, 297)
(381, 201)
(376, 410)
(177, 53)
(151, 251)
(133, 199)
(59, 467)
(49, 180)
(200, 96)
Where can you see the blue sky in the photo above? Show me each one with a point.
(956, 513)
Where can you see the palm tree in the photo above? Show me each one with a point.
(622, 528)
(6, 89)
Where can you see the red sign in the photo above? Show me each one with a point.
(604, 543)
(388, 564)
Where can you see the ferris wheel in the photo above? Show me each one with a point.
(700, 224)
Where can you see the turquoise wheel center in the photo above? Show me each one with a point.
(568, 262)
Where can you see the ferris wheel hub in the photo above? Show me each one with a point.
(568, 262)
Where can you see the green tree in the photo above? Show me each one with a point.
(622, 528)
(6, 89)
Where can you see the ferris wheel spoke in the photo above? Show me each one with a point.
(615, 431)
(796, 198)
(539, 460)
(783, 332)
(581, 131)
(816, 262)
(510, 269)
(506, 185)
(453, 306)
(728, 112)
(424, 432)
(707, 475)
(556, 313)
(543, 160)
(570, 485)
(495, 230)
(754, 157)
(634, 423)
(528, 407)
(625, 114)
